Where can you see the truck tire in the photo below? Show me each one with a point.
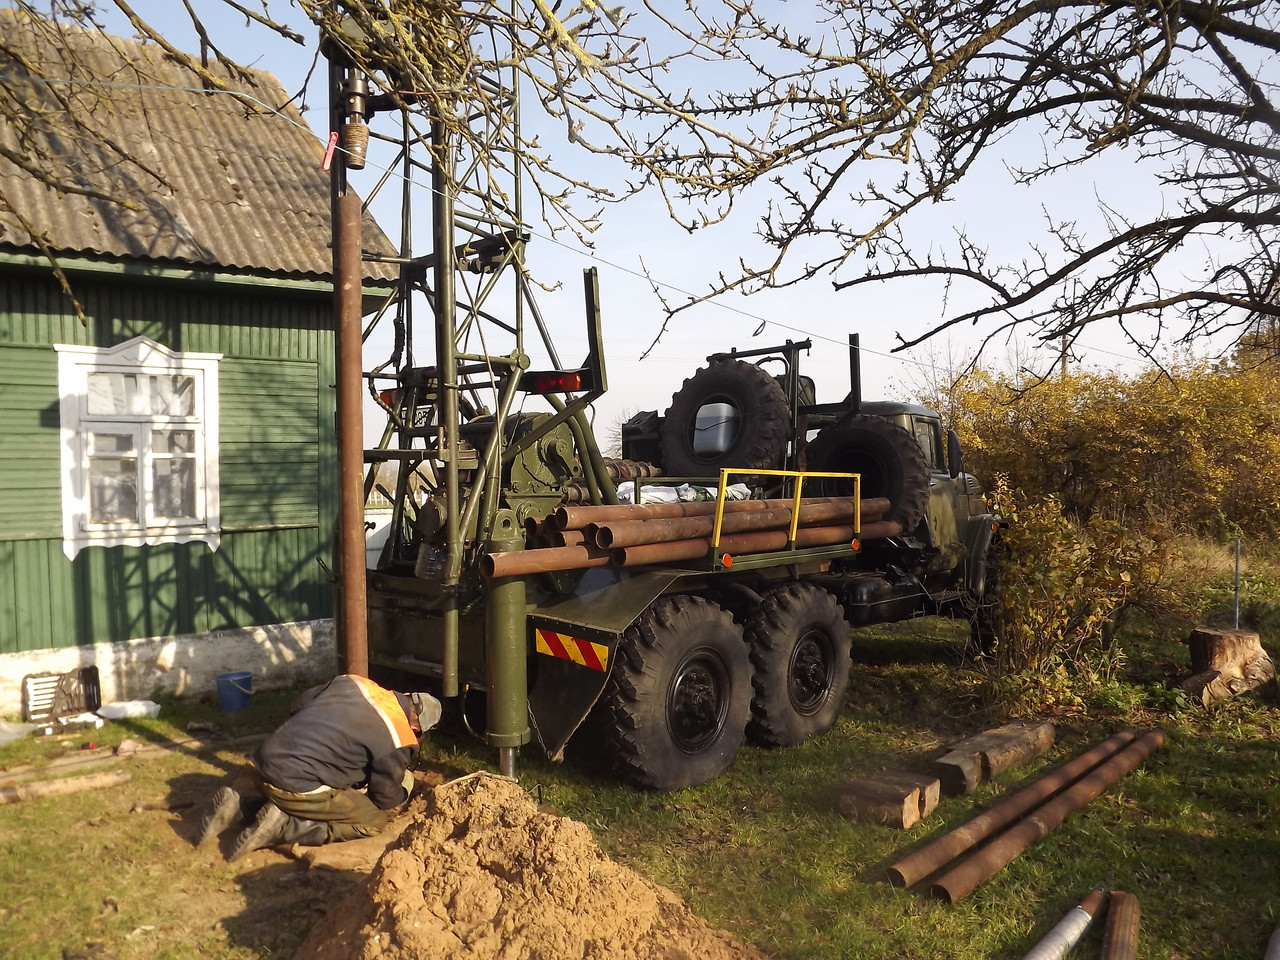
(763, 426)
(679, 695)
(890, 461)
(800, 650)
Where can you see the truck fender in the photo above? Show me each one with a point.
(982, 533)
(572, 643)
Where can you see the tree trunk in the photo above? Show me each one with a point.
(1227, 662)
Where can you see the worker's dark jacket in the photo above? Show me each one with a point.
(347, 734)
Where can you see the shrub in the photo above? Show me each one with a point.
(1062, 588)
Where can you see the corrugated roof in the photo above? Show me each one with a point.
(217, 183)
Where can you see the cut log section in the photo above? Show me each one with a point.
(972, 762)
(895, 798)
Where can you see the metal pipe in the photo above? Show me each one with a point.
(347, 283)
(1008, 846)
(911, 869)
(1067, 933)
(756, 541)
(629, 533)
(576, 517)
(1120, 937)
(546, 560)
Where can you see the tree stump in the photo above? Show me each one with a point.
(1226, 662)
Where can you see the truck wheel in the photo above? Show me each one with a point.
(890, 461)
(800, 650)
(729, 414)
(984, 638)
(679, 695)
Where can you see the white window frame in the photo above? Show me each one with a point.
(140, 356)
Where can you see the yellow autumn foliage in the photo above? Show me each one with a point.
(1195, 448)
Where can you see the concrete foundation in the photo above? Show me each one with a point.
(185, 665)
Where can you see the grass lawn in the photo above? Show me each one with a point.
(761, 852)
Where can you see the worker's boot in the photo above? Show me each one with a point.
(226, 807)
(273, 826)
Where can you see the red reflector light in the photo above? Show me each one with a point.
(390, 397)
(727, 560)
(857, 545)
(557, 382)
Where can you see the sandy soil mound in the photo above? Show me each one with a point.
(481, 873)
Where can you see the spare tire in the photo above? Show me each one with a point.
(889, 459)
(729, 414)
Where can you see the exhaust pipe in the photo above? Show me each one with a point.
(909, 870)
(956, 884)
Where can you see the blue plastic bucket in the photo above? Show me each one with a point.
(234, 690)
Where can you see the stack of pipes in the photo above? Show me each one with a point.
(1023, 818)
(580, 536)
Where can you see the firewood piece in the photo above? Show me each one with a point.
(974, 761)
(895, 798)
(53, 788)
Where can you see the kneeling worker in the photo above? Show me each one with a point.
(333, 769)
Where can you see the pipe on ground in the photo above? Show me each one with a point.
(1059, 941)
(914, 868)
(954, 885)
(1120, 938)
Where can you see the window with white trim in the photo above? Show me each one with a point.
(139, 430)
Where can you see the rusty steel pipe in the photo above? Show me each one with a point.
(546, 560)
(757, 541)
(1059, 941)
(914, 868)
(575, 517)
(630, 533)
(954, 885)
(1120, 936)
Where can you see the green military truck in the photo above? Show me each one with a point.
(664, 634)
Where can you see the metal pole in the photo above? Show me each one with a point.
(347, 282)
(956, 884)
(1237, 603)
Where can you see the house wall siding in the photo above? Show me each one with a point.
(276, 461)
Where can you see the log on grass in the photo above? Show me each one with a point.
(973, 761)
(54, 788)
(895, 798)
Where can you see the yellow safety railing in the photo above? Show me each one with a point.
(800, 476)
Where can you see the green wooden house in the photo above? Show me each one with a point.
(167, 460)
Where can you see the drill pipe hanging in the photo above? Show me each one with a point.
(957, 883)
(1059, 941)
(911, 869)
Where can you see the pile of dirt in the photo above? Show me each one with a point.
(482, 873)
